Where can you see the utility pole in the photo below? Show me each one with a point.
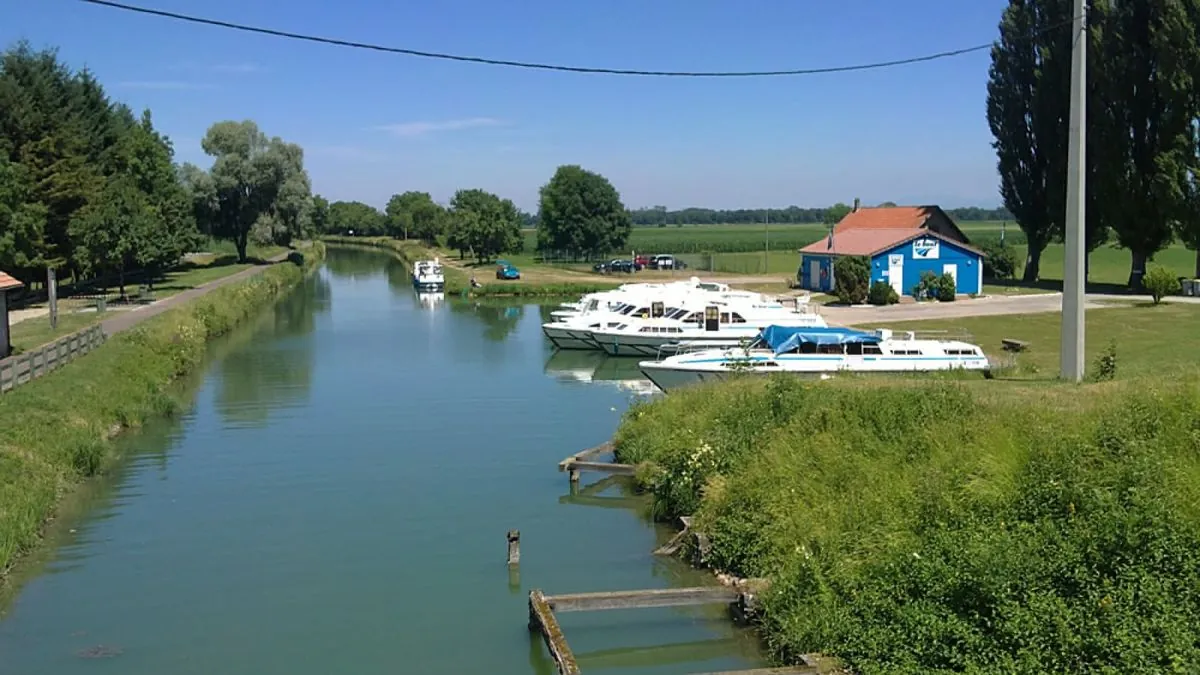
(767, 243)
(1073, 266)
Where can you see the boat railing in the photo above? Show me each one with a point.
(960, 334)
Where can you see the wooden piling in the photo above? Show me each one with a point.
(514, 547)
(676, 542)
(542, 620)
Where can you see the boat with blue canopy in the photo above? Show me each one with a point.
(818, 352)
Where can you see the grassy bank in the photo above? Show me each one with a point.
(56, 430)
(458, 279)
(917, 527)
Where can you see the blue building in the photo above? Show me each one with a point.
(901, 243)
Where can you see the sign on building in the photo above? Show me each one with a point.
(926, 248)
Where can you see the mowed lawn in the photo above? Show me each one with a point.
(1149, 339)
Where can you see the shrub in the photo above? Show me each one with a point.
(1159, 282)
(851, 275)
(882, 293)
(945, 286)
(1106, 363)
(1000, 262)
(926, 287)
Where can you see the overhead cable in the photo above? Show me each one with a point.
(544, 66)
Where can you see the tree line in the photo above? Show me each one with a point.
(661, 216)
(580, 215)
(1143, 148)
(91, 189)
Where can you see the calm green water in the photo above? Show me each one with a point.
(335, 501)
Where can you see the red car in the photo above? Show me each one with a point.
(641, 261)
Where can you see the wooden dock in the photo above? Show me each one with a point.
(582, 461)
(661, 597)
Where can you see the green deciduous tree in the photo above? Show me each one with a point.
(834, 214)
(1152, 60)
(580, 213)
(256, 181)
(1028, 110)
(484, 224)
(357, 218)
(415, 215)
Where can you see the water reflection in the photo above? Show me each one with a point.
(590, 366)
(257, 378)
(431, 300)
(355, 263)
(500, 319)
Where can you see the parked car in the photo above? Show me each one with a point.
(616, 265)
(641, 261)
(667, 262)
(507, 271)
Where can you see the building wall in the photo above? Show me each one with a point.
(811, 278)
(968, 263)
(3, 324)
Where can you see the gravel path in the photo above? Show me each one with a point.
(989, 306)
(131, 318)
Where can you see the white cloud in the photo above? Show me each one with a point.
(164, 84)
(414, 129)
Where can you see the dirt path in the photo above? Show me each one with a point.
(989, 306)
(131, 318)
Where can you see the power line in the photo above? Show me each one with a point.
(540, 66)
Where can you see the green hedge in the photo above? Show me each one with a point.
(937, 527)
(55, 431)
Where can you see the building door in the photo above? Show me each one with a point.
(952, 270)
(896, 272)
(814, 275)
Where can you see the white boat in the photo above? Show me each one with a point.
(612, 299)
(817, 352)
(572, 330)
(728, 320)
(427, 275)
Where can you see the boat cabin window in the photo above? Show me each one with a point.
(829, 349)
(871, 349)
(961, 352)
(724, 317)
(765, 364)
(737, 318)
(854, 349)
(695, 317)
(906, 352)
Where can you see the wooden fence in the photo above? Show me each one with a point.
(22, 368)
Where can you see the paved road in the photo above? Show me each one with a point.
(990, 306)
(131, 318)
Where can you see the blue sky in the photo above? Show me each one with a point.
(374, 124)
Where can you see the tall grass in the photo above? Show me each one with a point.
(916, 528)
(55, 431)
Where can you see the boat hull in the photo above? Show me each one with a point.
(563, 337)
(429, 285)
(668, 376)
(656, 345)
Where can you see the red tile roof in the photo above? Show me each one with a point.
(8, 283)
(885, 218)
(861, 241)
(871, 242)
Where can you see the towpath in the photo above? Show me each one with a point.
(131, 318)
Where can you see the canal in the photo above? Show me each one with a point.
(335, 499)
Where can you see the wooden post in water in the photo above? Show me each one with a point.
(514, 547)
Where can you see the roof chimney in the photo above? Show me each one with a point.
(856, 203)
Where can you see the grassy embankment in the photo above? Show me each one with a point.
(56, 430)
(458, 273)
(77, 312)
(916, 526)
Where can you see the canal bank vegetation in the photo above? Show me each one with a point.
(458, 279)
(912, 526)
(56, 431)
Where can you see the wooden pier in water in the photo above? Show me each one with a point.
(583, 461)
(739, 596)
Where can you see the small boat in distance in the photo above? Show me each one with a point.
(427, 275)
(817, 352)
